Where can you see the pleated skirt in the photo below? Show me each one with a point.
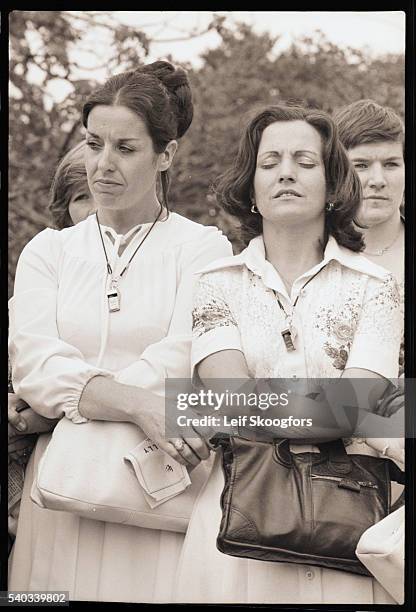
(92, 560)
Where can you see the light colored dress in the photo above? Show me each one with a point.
(61, 334)
(348, 315)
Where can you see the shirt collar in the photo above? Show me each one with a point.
(353, 260)
(253, 257)
(122, 237)
(106, 229)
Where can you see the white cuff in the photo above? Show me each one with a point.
(222, 338)
(71, 409)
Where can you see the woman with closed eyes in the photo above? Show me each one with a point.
(300, 302)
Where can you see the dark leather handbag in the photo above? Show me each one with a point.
(304, 507)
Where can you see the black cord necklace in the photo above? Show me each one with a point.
(289, 332)
(113, 293)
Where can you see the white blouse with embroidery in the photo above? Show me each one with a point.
(347, 316)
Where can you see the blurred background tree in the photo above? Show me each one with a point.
(243, 72)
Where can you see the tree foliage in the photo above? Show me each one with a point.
(243, 72)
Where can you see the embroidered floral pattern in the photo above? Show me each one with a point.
(388, 295)
(401, 359)
(209, 313)
(340, 308)
(338, 355)
(343, 332)
(339, 327)
(360, 313)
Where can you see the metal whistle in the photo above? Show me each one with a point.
(287, 339)
(113, 297)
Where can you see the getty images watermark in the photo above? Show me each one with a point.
(223, 401)
(294, 408)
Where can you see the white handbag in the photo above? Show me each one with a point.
(83, 471)
(381, 550)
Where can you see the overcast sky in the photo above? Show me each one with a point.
(378, 32)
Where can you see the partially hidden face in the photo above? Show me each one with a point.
(120, 160)
(81, 204)
(289, 181)
(380, 166)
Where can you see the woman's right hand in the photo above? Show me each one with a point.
(108, 400)
(193, 451)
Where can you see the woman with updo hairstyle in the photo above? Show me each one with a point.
(160, 95)
(100, 317)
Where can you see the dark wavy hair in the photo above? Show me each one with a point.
(234, 188)
(70, 176)
(365, 121)
(160, 94)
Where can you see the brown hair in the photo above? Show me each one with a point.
(365, 121)
(234, 188)
(160, 94)
(70, 176)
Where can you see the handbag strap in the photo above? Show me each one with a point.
(333, 451)
(395, 472)
(337, 457)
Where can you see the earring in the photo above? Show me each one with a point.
(254, 209)
(330, 206)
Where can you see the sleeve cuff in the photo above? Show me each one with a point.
(218, 339)
(377, 358)
(73, 414)
(71, 410)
